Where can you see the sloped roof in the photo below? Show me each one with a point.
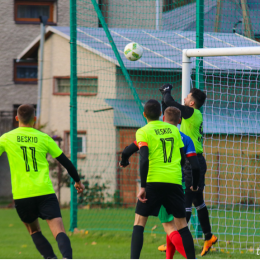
(231, 119)
(162, 49)
(184, 18)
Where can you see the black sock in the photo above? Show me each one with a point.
(64, 245)
(43, 245)
(137, 242)
(188, 243)
(188, 215)
(203, 216)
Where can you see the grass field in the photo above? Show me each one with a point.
(16, 243)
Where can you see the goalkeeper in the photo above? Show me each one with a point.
(192, 126)
(172, 116)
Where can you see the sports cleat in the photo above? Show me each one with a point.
(162, 248)
(208, 244)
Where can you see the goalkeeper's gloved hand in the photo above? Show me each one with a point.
(166, 88)
(124, 163)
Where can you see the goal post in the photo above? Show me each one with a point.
(187, 54)
(231, 124)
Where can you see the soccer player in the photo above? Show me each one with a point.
(161, 156)
(192, 126)
(32, 188)
(172, 115)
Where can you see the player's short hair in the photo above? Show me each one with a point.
(26, 113)
(172, 115)
(199, 97)
(152, 109)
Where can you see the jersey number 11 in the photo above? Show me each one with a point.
(27, 167)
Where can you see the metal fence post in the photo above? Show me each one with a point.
(73, 108)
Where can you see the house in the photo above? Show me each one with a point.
(231, 17)
(108, 115)
(20, 23)
(18, 80)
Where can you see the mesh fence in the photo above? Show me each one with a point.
(109, 115)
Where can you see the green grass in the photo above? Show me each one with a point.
(16, 242)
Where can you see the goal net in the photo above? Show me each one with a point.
(231, 117)
(112, 91)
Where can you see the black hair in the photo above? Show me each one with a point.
(199, 97)
(26, 113)
(152, 109)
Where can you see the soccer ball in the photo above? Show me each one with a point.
(133, 51)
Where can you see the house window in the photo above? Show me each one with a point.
(169, 5)
(81, 143)
(25, 72)
(86, 86)
(29, 11)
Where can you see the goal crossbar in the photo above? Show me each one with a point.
(187, 54)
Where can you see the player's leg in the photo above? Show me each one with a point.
(203, 217)
(175, 238)
(188, 204)
(203, 214)
(28, 213)
(174, 203)
(59, 233)
(168, 225)
(138, 235)
(142, 211)
(187, 171)
(41, 243)
(49, 209)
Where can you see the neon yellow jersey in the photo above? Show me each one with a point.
(193, 127)
(164, 143)
(26, 150)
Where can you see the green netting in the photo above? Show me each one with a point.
(110, 100)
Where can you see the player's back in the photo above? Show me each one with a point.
(164, 143)
(26, 150)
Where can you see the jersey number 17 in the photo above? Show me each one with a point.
(164, 140)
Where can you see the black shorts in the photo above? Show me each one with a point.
(188, 173)
(44, 207)
(158, 194)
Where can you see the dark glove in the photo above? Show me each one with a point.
(124, 163)
(166, 88)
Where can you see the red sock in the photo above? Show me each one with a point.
(170, 248)
(176, 239)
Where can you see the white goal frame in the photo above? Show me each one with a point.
(209, 52)
(187, 54)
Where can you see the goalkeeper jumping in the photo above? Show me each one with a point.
(192, 126)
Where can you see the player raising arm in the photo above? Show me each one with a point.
(172, 115)
(32, 188)
(161, 156)
(192, 126)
